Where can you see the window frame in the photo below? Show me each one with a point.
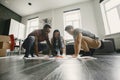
(29, 23)
(105, 18)
(72, 21)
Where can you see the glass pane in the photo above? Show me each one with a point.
(104, 19)
(71, 18)
(34, 23)
(67, 36)
(111, 4)
(113, 20)
(76, 24)
(32, 29)
(69, 23)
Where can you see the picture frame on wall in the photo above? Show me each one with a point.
(46, 21)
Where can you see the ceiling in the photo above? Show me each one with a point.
(22, 8)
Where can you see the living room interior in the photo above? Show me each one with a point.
(18, 18)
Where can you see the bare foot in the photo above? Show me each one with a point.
(74, 56)
(37, 55)
(59, 57)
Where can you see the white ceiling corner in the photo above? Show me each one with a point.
(22, 8)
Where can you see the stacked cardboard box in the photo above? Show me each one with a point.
(4, 45)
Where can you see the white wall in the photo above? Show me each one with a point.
(87, 14)
(99, 19)
(41, 15)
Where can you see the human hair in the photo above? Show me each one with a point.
(68, 27)
(59, 40)
(46, 26)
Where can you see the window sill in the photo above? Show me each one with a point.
(113, 34)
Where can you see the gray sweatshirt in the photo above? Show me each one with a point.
(84, 33)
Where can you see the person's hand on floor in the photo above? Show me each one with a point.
(64, 55)
(75, 56)
(37, 54)
(46, 57)
(59, 57)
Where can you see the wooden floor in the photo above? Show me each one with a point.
(105, 67)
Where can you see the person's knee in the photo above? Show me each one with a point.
(31, 39)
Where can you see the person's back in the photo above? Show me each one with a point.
(39, 34)
(84, 33)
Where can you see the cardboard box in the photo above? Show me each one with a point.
(2, 52)
(4, 38)
(1, 45)
(4, 45)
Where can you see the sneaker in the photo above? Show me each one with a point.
(25, 57)
(92, 51)
(32, 56)
(86, 54)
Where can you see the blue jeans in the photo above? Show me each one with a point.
(29, 46)
(55, 51)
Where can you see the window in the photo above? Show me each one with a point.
(32, 25)
(111, 16)
(113, 20)
(72, 17)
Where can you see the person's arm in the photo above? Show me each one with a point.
(64, 48)
(36, 46)
(77, 45)
(49, 44)
(52, 41)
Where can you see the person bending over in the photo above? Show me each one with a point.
(58, 44)
(83, 40)
(33, 40)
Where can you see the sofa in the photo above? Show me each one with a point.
(108, 47)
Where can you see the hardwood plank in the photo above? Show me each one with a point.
(105, 67)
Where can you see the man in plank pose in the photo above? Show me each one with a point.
(83, 40)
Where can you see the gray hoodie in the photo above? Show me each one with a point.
(84, 33)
